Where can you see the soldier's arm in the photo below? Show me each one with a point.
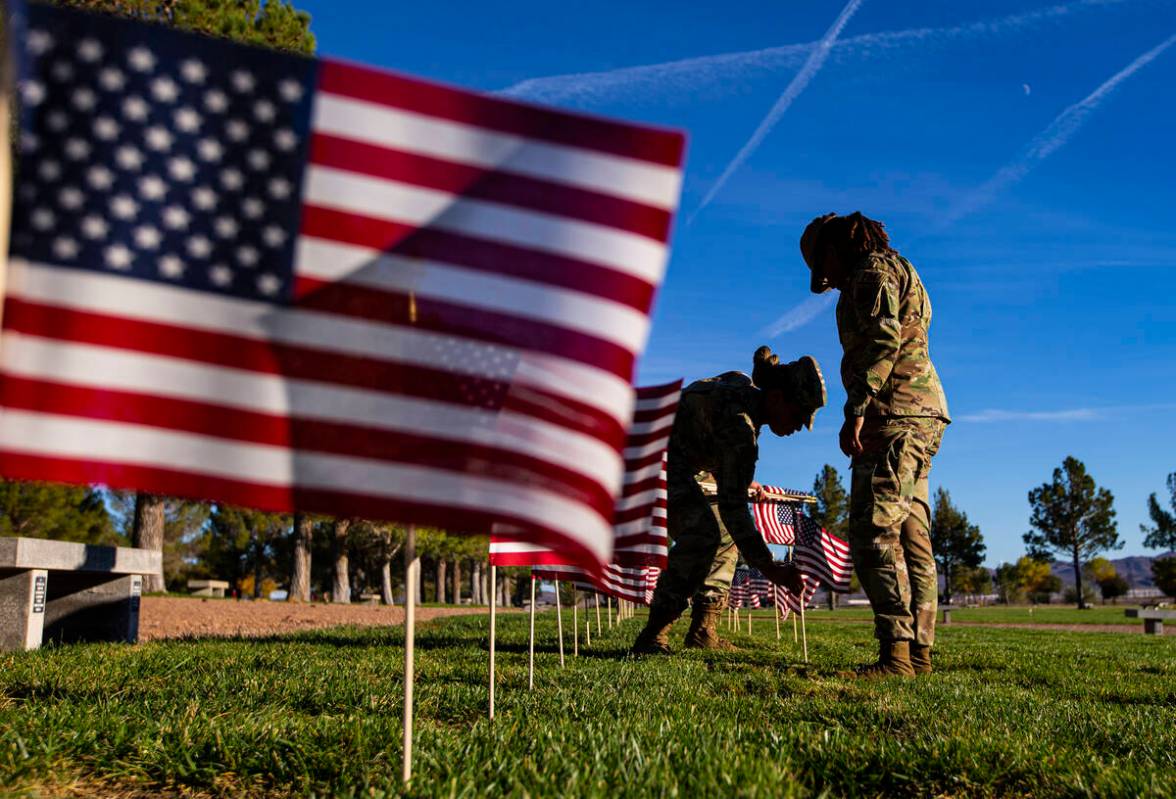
(738, 453)
(874, 298)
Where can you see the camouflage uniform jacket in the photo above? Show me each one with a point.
(716, 430)
(882, 318)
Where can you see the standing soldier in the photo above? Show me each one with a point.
(894, 420)
(716, 432)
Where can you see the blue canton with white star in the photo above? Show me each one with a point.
(160, 155)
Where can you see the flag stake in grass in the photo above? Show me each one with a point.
(598, 615)
(776, 612)
(803, 631)
(559, 624)
(412, 565)
(575, 621)
(531, 648)
(493, 630)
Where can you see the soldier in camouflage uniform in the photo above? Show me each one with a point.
(895, 416)
(716, 434)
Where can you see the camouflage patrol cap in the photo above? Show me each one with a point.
(818, 283)
(801, 380)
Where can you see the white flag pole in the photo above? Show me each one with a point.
(493, 631)
(559, 624)
(776, 608)
(598, 615)
(608, 599)
(575, 621)
(412, 566)
(587, 632)
(531, 659)
(795, 637)
(803, 632)
(749, 621)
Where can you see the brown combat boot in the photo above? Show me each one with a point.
(654, 639)
(894, 660)
(703, 632)
(920, 659)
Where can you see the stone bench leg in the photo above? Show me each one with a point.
(22, 609)
(1153, 626)
(93, 608)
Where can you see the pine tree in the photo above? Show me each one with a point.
(1161, 534)
(832, 510)
(956, 541)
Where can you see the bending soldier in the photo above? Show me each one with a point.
(716, 432)
(895, 416)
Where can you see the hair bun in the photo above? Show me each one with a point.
(763, 362)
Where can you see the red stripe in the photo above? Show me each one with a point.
(476, 254)
(495, 186)
(506, 116)
(645, 417)
(641, 461)
(659, 391)
(303, 435)
(220, 349)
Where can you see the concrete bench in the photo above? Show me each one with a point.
(214, 588)
(370, 599)
(63, 591)
(1153, 620)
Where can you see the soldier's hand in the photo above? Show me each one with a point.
(783, 574)
(850, 438)
(756, 491)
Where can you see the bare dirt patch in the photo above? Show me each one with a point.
(186, 617)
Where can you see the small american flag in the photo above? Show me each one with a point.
(302, 284)
(822, 555)
(775, 520)
(786, 599)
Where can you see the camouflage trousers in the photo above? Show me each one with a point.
(889, 526)
(702, 560)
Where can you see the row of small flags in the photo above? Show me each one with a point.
(750, 589)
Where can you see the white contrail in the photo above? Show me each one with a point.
(692, 74)
(800, 315)
(1063, 415)
(1053, 137)
(812, 65)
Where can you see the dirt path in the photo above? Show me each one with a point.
(178, 617)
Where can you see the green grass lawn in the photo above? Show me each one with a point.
(1010, 712)
(1003, 614)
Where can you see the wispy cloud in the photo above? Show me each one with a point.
(689, 75)
(1053, 137)
(812, 65)
(800, 315)
(1088, 414)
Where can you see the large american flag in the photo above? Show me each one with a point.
(641, 542)
(303, 284)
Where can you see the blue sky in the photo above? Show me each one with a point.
(1020, 153)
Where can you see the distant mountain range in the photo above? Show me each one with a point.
(1136, 570)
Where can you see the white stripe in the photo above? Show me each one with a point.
(152, 302)
(575, 310)
(414, 205)
(91, 440)
(644, 473)
(634, 501)
(655, 426)
(156, 375)
(629, 178)
(669, 403)
(658, 445)
(635, 527)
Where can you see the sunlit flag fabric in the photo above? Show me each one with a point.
(822, 555)
(775, 520)
(786, 599)
(302, 284)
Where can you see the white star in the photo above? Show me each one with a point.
(204, 198)
(123, 207)
(264, 111)
(158, 138)
(152, 187)
(71, 198)
(216, 101)
(247, 255)
(65, 248)
(57, 121)
(84, 99)
(99, 177)
(175, 218)
(209, 149)
(220, 275)
(291, 90)
(187, 120)
(231, 179)
(94, 227)
(237, 130)
(225, 226)
(89, 50)
(141, 59)
(258, 159)
(127, 157)
(38, 41)
(285, 139)
(199, 247)
(49, 170)
(242, 81)
(118, 256)
(268, 284)
(135, 108)
(170, 266)
(63, 71)
(253, 208)
(164, 89)
(112, 79)
(147, 237)
(279, 188)
(193, 71)
(106, 129)
(42, 219)
(32, 92)
(77, 149)
(181, 169)
(273, 236)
